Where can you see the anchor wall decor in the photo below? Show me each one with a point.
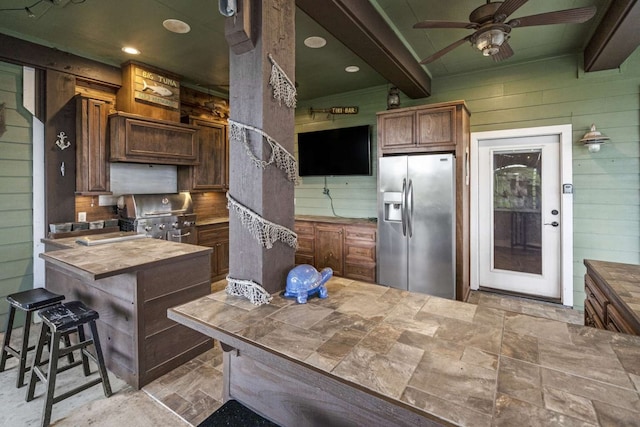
(62, 142)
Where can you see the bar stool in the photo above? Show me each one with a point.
(27, 301)
(59, 320)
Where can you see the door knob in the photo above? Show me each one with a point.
(553, 224)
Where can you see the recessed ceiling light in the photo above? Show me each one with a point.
(176, 26)
(315, 42)
(352, 69)
(131, 50)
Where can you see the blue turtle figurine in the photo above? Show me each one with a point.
(304, 281)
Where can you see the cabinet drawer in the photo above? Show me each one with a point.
(615, 322)
(208, 236)
(364, 272)
(367, 234)
(595, 295)
(303, 228)
(360, 253)
(306, 244)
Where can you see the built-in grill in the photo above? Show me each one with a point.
(161, 216)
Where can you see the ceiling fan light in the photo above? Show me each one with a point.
(489, 42)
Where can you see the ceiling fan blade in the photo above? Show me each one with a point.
(505, 52)
(445, 24)
(507, 8)
(444, 51)
(569, 16)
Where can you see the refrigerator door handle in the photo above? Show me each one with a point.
(403, 207)
(410, 208)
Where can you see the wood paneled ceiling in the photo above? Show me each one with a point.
(375, 35)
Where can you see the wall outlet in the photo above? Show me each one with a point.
(82, 217)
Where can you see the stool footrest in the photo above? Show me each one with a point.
(76, 390)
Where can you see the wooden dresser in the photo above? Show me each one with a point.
(613, 296)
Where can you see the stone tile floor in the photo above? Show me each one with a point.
(188, 394)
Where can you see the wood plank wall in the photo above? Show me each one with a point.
(353, 196)
(16, 235)
(550, 92)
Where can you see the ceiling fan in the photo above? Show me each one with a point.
(492, 32)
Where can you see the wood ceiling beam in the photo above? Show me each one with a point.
(22, 52)
(616, 37)
(359, 26)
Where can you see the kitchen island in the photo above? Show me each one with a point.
(131, 284)
(372, 355)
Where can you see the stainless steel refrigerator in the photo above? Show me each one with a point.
(416, 223)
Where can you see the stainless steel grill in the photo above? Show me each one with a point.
(161, 216)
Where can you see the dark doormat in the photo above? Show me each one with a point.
(234, 414)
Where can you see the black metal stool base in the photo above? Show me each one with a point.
(59, 321)
(27, 301)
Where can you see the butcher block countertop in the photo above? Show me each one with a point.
(111, 259)
(450, 362)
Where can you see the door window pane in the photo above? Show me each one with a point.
(517, 227)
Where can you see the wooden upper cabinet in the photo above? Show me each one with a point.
(397, 130)
(211, 174)
(435, 127)
(139, 139)
(423, 129)
(92, 162)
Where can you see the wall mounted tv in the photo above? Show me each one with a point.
(333, 152)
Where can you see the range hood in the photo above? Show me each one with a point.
(139, 139)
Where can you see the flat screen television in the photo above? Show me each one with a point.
(335, 152)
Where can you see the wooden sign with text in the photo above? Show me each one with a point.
(335, 110)
(156, 88)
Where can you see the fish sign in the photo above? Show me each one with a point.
(156, 88)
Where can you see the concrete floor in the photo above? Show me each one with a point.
(183, 397)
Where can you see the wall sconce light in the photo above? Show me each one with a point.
(393, 98)
(593, 139)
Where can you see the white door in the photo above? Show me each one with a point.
(519, 225)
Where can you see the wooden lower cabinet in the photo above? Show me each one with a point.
(139, 342)
(330, 247)
(216, 236)
(360, 253)
(349, 248)
(306, 243)
(609, 288)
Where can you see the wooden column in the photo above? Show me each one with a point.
(60, 117)
(268, 28)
